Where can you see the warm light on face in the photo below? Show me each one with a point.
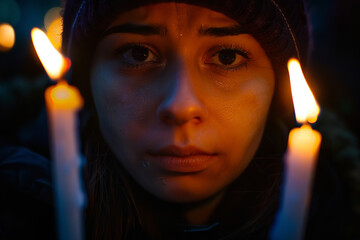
(7, 37)
(306, 108)
(181, 95)
(53, 62)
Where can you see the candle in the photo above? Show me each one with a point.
(62, 103)
(300, 161)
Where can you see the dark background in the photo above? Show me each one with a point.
(332, 73)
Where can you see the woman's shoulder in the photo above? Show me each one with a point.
(26, 210)
(336, 193)
(26, 171)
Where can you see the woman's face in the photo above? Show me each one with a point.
(182, 95)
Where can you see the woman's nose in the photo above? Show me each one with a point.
(182, 104)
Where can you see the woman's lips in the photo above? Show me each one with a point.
(181, 159)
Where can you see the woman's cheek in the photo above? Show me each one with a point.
(244, 115)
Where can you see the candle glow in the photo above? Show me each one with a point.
(54, 63)
(63, 96)
(306, 107)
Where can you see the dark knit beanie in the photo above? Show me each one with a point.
(280, 26)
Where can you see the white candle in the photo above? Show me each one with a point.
(63, 102)
(300, 161)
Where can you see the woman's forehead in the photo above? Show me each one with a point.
(173, 15)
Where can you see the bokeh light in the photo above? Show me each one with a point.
(51, 15)
(7, 37)
(53, 25)
(54, 33)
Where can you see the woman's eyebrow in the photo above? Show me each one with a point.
(137, 29)
(221, 31)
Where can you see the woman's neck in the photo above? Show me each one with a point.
(201, 213)
(157, 215)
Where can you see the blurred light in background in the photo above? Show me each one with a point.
(9, 12)
(53, 25)
(7, 37)
(51, 15)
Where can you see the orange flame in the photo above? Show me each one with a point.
(54, 63)
(306, 107)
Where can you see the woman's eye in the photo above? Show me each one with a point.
(137, 55)
(228, 58)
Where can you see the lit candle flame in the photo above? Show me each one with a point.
(306, 107)
(54, 63)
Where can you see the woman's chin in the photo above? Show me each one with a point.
(177, 192)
